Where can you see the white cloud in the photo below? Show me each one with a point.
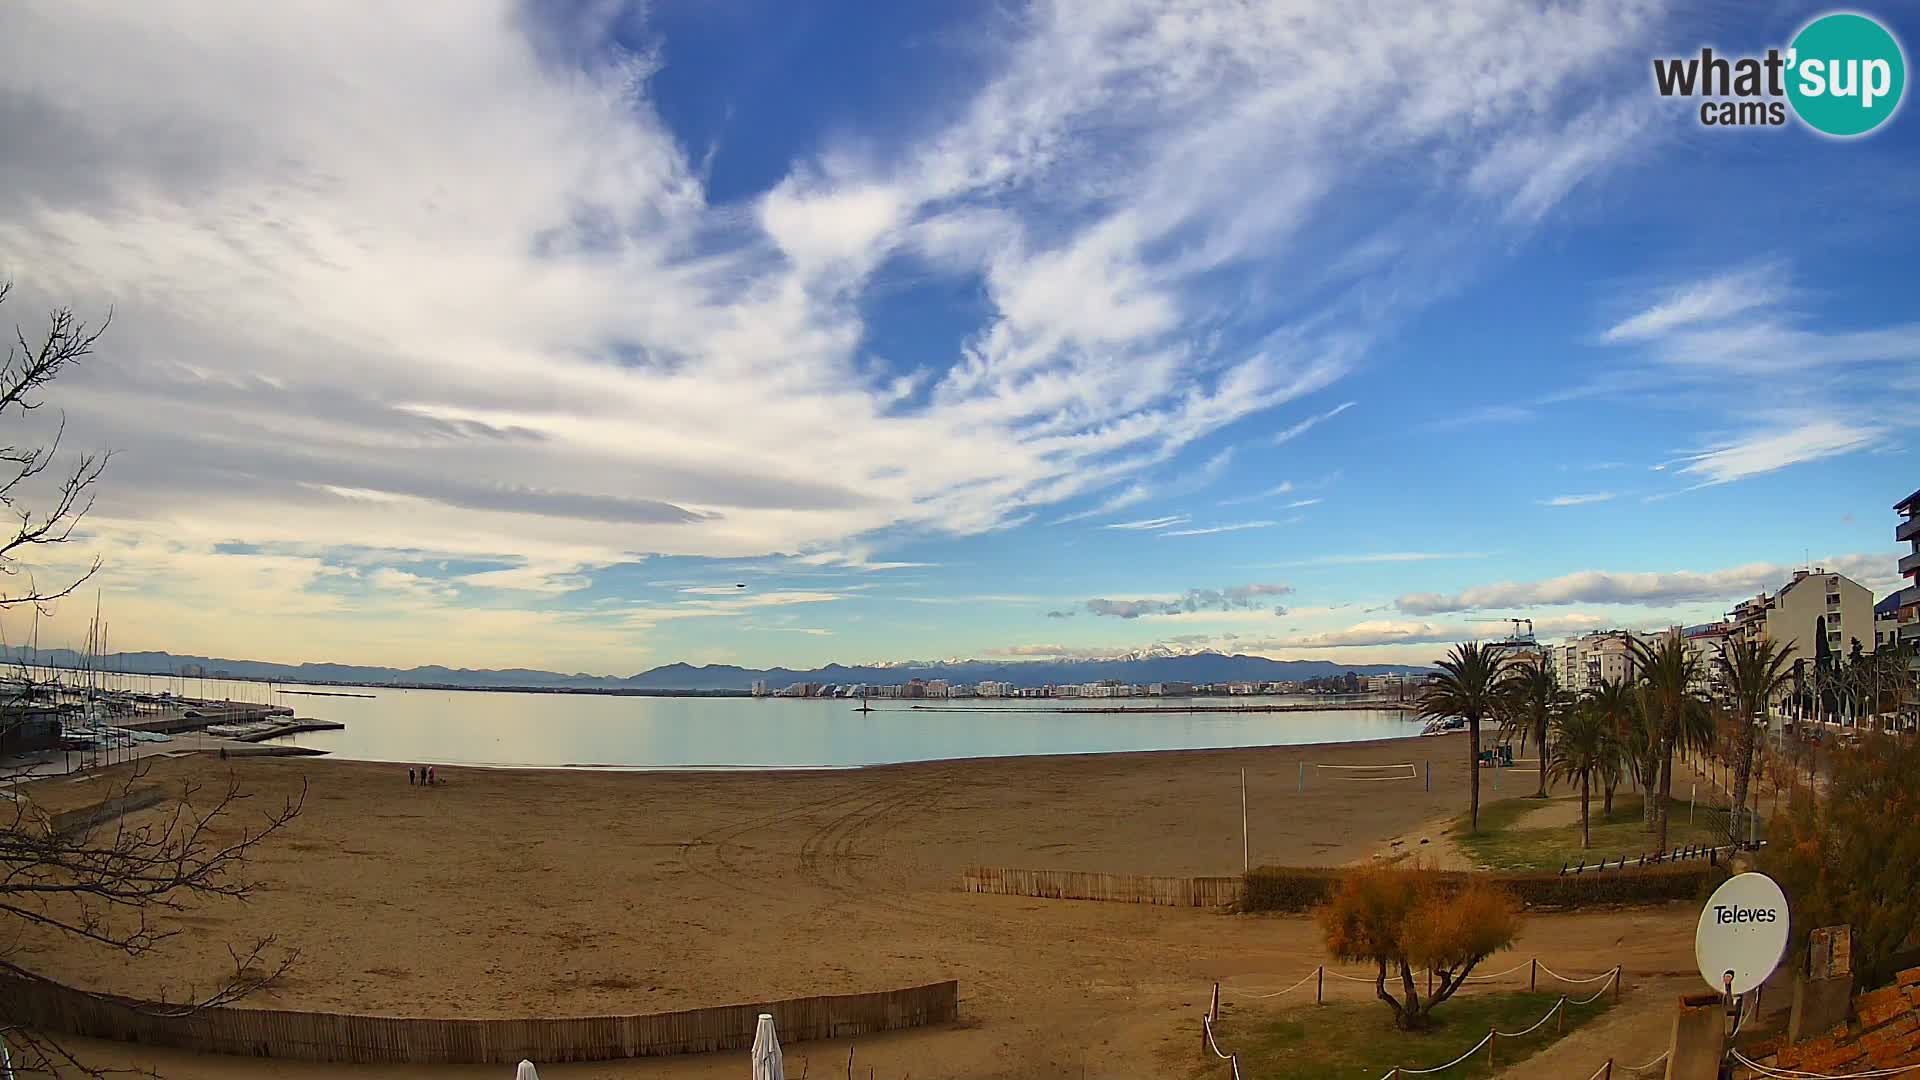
(1646, 589)
(1296, 430)
(1776, 448)
(1579, 500)
(1282, 488)
(1710, 300)
(1209, 530)
(1232, 598)
(478, 300)
(1298, 504)
(1149, 523)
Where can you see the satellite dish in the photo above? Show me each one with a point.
(1742, 933)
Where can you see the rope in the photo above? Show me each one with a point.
(1795, 1074)
(1232, 1060)
(1349, 978)
(1648, 1065)
(1441, 1068)
(1262, 997)
(1536, 1023)
(1578, 982)
(1597, 1073)
(1498, 974)
(1604, 987)
(1207, 1023)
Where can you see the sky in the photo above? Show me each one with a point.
(491, 334)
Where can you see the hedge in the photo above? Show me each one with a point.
(1290, 888)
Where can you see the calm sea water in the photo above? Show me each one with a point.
(589, 731)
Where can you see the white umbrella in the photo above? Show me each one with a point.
(526, 1071)
(766, 1051)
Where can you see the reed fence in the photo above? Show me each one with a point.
(1208, 892)
(376, 1040)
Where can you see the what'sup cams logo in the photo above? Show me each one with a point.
(1843, 75)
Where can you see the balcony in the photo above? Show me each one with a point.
(1910, 565)
(1907, 530)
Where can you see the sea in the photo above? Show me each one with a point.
(592, 731)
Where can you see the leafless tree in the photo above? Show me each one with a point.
(31, 364)
(106, 874)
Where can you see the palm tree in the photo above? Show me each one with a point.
(1613, 700)
(1670, 671)
(1532, 698)
(1755, 672)
(1583, 747)
(1468, 686)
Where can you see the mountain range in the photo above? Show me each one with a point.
(1146, 666)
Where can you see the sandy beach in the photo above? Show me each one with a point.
(521, 892)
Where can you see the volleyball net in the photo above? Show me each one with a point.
(1401, 771)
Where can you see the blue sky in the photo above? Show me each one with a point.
(522, 335)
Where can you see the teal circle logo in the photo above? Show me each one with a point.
(1846, 74)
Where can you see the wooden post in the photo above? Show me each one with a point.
(1213, 1010)
(1533, 975)
(1429, 775)
(1493, 1039)
(1319, 984)
(1616, 984)
(1246, 858)
(1303, 777)
(1560, 1017)
(1608, 1073)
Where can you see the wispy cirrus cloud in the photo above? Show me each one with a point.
(1294, 431)
(697, 364)
(1282, 488)
(1209, 530)
(1709, 300)
(1149, 524)
(1580, 500)
(1775, 448)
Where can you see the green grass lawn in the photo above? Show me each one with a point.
(1506, 842)
(1357, 1040)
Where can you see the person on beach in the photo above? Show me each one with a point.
(409, 776)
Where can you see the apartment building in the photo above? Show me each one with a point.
(1908, 532)
(1816, 608)
(1591, 659)
(1886, 620)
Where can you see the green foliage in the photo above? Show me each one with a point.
(1531, 700)
(1754, 672)
(1849, 856)
(1401, 920)
(1468, 685)
(1352, 1040)
(1508, 839)
(1583, 749)
(1679, 718)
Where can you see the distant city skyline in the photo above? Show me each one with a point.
(599, 337)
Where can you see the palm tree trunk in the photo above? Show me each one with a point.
(1663, 811)
(1606, 806)
(1586, 825)
(1473, 774)
(1542, 746)
(1743, 774)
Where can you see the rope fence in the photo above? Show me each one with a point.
(1795, 1074)
(1533, 967)
(1608, 981)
